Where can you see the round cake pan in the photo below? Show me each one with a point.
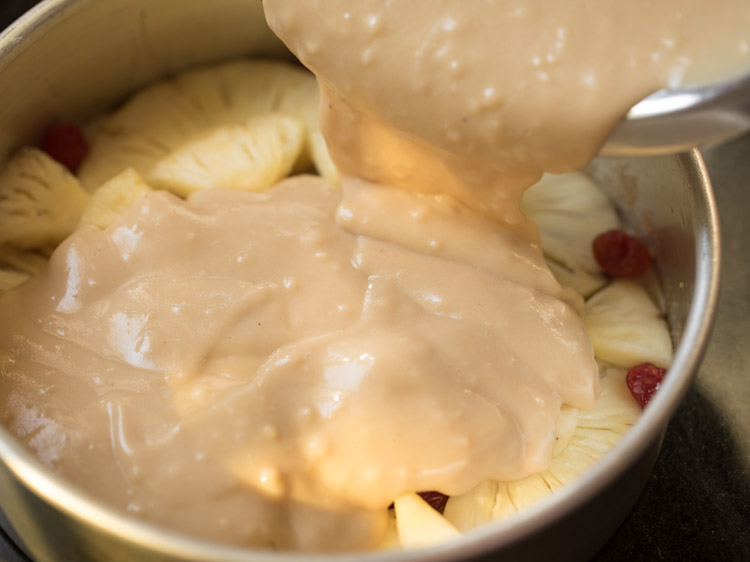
(70, 59)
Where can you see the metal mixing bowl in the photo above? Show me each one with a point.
(69, 59)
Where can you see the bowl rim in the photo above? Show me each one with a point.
(79, 505)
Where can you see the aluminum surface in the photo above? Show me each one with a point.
(70, 59)
(672, 121)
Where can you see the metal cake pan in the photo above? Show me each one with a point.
(70, 59)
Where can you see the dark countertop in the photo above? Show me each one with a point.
(696, 505)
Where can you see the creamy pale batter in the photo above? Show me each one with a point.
(292, 374)
(274, 369)
(478, 98)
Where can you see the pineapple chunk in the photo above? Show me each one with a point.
(626, 327)
(114, 198)
(570, 211)
(419, 525)
(40, 201)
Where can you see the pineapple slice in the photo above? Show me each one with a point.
(626, 327)
(528, 490)
(585, 448)
(23, 261)
(503, 504)
(473, 508)
(566, 425)
(570, 211)
(492, 500)
(486, 502)
(253, 156)
(390, 540)
(169, 120)
(583, 282)
(321, 158)
(114, 198)
(595, 432)
(152, 124)
(16, 266)
(419, 525)
(40, 201)
(616, 409)
(10, 279)
(496, 500)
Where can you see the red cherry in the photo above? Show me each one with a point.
(643, 381)
(435, 499)
(66, 144)
(621, 255)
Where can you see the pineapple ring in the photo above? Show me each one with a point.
(196, 115)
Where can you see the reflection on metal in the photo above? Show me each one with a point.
(671, 121)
